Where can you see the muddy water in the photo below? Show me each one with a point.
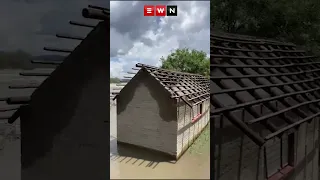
(129, 162)
(9, 133)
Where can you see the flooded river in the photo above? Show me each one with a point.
(129, 162)
(125, 161)
(9, 133)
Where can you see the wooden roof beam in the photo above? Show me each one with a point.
(82, 24)
(57, 49)
(65, 36)
(19, 100)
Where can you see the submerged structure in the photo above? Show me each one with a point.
(265, 108)
(64, 121)
(162, 110)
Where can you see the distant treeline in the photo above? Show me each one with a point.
(291, 21)
(117, 80)
(114, 80)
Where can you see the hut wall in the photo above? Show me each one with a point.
(146, 115)
(65, 130)
(187, 131)
(305, 155)
(307, 152)
(236, 156)
(239, 158)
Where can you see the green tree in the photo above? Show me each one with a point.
(294, 21)
(185, 60)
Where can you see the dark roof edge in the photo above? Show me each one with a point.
(177, 72)
(243, 37)
(140, 71)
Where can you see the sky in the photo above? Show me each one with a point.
(135, 38)
(29, 25)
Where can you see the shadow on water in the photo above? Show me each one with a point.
(123, 153)
(127, 161)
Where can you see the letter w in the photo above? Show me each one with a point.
(160, 10)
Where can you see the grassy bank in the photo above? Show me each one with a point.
(202, 143)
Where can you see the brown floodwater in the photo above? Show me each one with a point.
(135, 163)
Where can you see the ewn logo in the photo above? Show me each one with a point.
(160, 10)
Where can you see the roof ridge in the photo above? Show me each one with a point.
(243, 37)
(167, 70)
(191, 88)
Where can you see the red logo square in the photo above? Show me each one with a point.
(161, 10)
(148, 10)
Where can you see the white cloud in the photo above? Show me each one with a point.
(135, 38)
(29, 25)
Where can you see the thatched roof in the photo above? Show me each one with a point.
(263, 85)
(191, 88)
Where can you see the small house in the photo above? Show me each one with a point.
(64, 124)
(162, 110)
(265, 109)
